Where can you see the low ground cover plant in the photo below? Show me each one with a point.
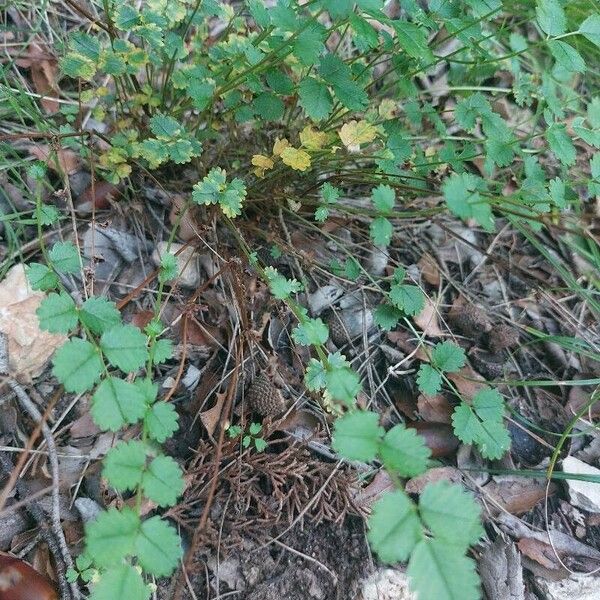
(296, 105)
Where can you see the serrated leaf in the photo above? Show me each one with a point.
(429, 380)
(408, 298)
(461, 192)
(491, 437)
(566, 56)
(99, 314)
(40, 277)
(124, 465)
(48, 214)
(413, 40)
(437, 570)
(164, 126)
(383, 198)
(315, 99)
(85, 44)
(312, 332)
(158, 547)
(354, 133)
(64, 257)
(75, 65)
(122, 581)
(281, 287)
(448, 357)
(339, 75)
(112, 536)
(125, 347)
(343, 384)
(162, 482)
(489, 405)
(161, 421)
(57, 313)
(551, 17)
(268, 106)
(315, 377)
(387, 316)
(116, 403)
(394, 528)
(381, 231)
(77, 365)
(357, 435)
(590, 28)
(451, 514)
(163, 351)
(404, 451)
(561, 144)
(297, 159)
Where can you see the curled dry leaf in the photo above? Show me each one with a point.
(63, 160)
(210, 418)
(29, 347)
(429, 269)
(428, 319)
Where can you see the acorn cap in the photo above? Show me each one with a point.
(264, 398)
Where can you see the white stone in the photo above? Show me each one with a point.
(187, 264)
(576, 587)
(584, 494)
(387, 584)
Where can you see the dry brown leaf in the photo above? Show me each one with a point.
(438, 437)
(417, 484)
(380, 484)
(540, 552)
(68, 161)
(467, 382)
(29, 347)
(430, 269)
(428, 319)
(515, 495)
(210, 418)
(43, 67)
(435, 408)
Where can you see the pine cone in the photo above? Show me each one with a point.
(264, 398)
(503, 337)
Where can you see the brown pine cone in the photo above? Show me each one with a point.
(337, 331)
(264, 398)
(503, 337)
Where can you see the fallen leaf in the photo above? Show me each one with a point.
(29, 347)
(380, 484)
(428, 319)
(43, 67)
(435, 408)
(439, 437)
(429, 269)
(467, 382)
(417, 484)
(210, 418)
(68, 161)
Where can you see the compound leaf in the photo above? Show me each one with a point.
(356, 435)
(77, 365)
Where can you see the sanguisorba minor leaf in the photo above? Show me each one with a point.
(162, 482)
(64, 257)
(356, 435)
(448, 357)
(124, 465)
(77, 365)
(57, 313)
(116, 403)
(437, 570)
(158, 547)
(404, 451)
(394, 527)
(451, 514)
(112, 536)
(122, 581)
(161, 421)
(125, 347)
(99, 314)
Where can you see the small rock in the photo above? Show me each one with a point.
(387, 584)
(323, 298)
(187, 264)
(584, 494)
(378, 260)
(88, 509)
(579, 587)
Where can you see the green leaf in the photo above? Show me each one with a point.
(309, 44)
(57, 313)
(394, 528)
(163, 351)
(387, 316)
(551, 17)
(122, 581)
(461, 192)
(315, 377)
(491, 437)
(124, 465)
(112, 536)
(383, 198)
(48, 214)
(311, 332)
(164, 126)
(381, 231)
(85, 44)
(566, 56)
(342, 383)
(451, 514)
(590, 28)
(268, 106)
(339, 75)
(413, 40)
(158, 547)
(125, 347)
(40, 277)
(429, 380)
(64, 257)
(75, 65)
(162, 482)
(489, 405)
(126, 16)
(404, 451)
(99, 314)
(560, 143)
(279, 82)
(448, 357)
(408, 298)
(161, 421)
(116, 403)
(357, 435)
(437, 570)
(315, 99)
(281, 287)
(77, 365)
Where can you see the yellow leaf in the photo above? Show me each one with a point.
(262, 164)
(312, 139)
(355, 133)
(279, 146)
(387, 109)
(297, 159)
